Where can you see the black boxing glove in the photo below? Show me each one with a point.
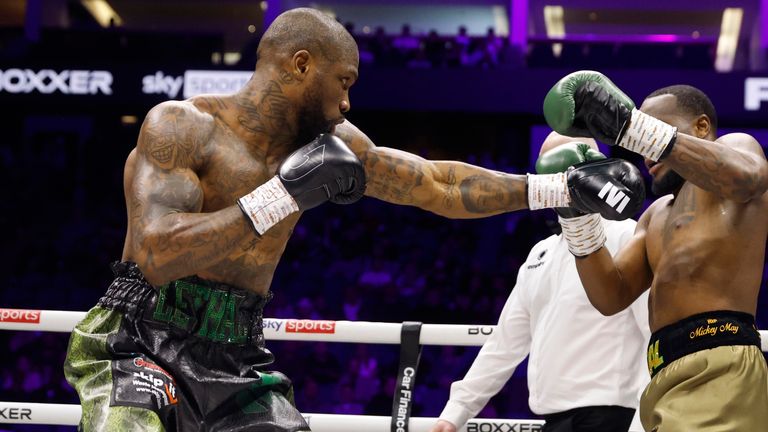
(612, 187)
(323, 170)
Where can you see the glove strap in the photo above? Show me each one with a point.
(547, 191)
(584, 234)
(267, 205)
(647, 135)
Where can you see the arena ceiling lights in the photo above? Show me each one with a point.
(555, 25)
(728, 41)
(102, 12)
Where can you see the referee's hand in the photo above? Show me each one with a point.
(443, 426)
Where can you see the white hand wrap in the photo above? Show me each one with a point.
(647, 135)
(267, 205)
(548, 191)
(584, 234)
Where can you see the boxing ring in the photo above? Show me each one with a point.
(407, 335)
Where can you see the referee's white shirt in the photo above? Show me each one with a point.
(578, 357)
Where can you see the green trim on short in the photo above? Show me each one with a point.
(88, 368)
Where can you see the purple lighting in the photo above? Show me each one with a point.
(662, 38)
(764, 24)
(518, 19)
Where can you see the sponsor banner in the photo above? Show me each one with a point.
(755, 94)
(14, 413)
(20, 316)
(740, 97)
(272, 324)
(310, 326)
(410, 354)
(49, 81)
(491, 426)
(198, 82)
(483, 330)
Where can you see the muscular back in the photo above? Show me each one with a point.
(706, 253)
(181, 185)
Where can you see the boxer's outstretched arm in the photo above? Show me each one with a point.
(733, 167)
(168, 237)
(613, 283)
(448, 188)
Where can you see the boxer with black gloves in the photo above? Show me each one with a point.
(700, 250)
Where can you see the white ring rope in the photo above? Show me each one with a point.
(69, 415)
(293, 329)
(280, 329)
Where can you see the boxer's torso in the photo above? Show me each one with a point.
(706, 253)
(230, 168)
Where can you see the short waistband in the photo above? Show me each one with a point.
(212, 310)
(699, 332)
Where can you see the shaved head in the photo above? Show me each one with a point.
(554, 139)
(306, 29)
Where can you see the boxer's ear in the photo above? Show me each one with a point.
(301, 63)
(702, 126)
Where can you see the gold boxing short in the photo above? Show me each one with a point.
(708, 374)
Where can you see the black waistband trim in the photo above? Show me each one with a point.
(699, 332)
(212, 310)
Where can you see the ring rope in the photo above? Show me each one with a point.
(280, 329)
(293, 329)
(69, 415)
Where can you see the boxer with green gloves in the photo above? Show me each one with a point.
(700, 249)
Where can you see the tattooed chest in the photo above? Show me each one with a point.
(230, 175)
(252, 265)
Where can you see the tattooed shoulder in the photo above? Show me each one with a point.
(355, 139)
(173, 135)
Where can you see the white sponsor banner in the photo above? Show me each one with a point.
(48, 81)
(755, 93)
(161, 83)
(225, 82)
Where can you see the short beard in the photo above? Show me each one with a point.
(667, 184)
(312, 122)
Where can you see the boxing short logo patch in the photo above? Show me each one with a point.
(654, 359)
(142, 383)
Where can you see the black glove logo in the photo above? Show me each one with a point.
(614, 197)
(301, 165)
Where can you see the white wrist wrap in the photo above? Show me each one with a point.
(647, 135)
(584, 234)
(267, 205)
(548, 191)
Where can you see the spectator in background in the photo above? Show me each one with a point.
(405, 44)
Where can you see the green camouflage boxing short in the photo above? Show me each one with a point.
(188, 356)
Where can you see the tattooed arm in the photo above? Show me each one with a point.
(168, 237)
(451, 189)
(733, 167)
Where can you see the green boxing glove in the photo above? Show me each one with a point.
(559, 159)
(587, 103)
